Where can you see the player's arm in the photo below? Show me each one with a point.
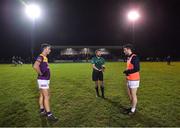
(94, 67)
(135, 62)
(36, 66)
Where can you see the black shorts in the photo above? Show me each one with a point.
(97, 75)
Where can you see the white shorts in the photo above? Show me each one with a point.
(133, 84)
(43, 84)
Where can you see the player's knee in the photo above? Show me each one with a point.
(40, 96)
(102, 85)
(46, 97)
(96, 84)
(134, 98)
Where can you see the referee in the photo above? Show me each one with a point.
(97, 74)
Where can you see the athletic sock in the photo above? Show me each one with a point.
(97, 91)
(133, 109)
(42, 109)
(49, 113)
(102, 91)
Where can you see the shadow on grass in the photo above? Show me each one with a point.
(120, 107)
(15, 114)
(134, 120)
(146, 121)
(46, 123)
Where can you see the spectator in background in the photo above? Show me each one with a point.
(14, 61)
(168, 60)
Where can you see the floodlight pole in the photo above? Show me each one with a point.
(133, 32)
(32, 41)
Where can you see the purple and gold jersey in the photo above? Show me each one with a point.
(44, 68)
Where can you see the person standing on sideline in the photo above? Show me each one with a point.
(43, 71)
(98, 65)
(168, 60)
(132, 77)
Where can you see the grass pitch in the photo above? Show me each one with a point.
(73, 98)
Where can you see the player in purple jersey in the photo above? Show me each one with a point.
(42, 68)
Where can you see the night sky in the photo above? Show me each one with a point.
(91, 22)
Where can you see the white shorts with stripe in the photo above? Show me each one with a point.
(133, 83)
(43, 84)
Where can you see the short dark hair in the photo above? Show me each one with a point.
(97, 51)
(45, 45)
(129, 46)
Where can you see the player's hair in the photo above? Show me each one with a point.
(97, 51)
(129, 46)
(44, 45)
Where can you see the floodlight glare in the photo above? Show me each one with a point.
(133, 15)
(33, 11)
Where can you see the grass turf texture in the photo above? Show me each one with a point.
(73, 98)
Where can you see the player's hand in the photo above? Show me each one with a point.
(100, 70)
(126, 73)
(44, 73)
(103, 70)
(103, 67)
(40, 73)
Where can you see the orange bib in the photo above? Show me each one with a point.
(133, 76)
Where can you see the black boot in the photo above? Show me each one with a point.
(102, 91)
(97, 91)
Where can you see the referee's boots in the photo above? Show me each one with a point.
(97, 91)
(102, 91)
